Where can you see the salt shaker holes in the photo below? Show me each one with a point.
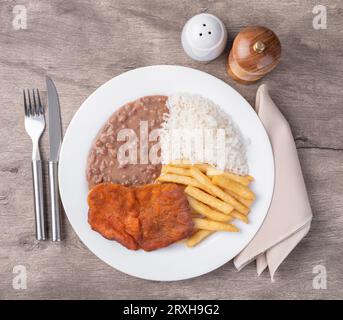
(204, 37)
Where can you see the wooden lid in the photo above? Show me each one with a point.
(256, 50)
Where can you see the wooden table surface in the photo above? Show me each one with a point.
(81, 45)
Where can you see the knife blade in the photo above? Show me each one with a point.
(55, 140)
(55, 128)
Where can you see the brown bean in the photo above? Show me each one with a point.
(128, 107)
(104, 138)
(89, 175)
(108, 145)
(97, 178)
(102, 166)
(94, 171)
(110, 131)
(113, 120)
(150, 167)
(112, 152)
(131, 113)
(98, 143)
(122, 118)
(92, 158)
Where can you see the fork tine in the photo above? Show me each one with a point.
(35, 107)
(25, 104)
(41, 109)
(31, 111)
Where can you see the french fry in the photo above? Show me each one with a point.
(201, 166)
(205, 224)
(179, 179)
(181, 164)
(208, 212)
(188, 181)
(208, 199)
(187, 165)
(200, 235)
(197, 237)
(215, 190)
(239, 216)
(244, 180)
(215, 197)
(233, 186)
(246, 202)
(176, 170)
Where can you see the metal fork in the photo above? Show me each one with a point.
(34, 126)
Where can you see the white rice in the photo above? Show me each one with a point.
(195, 117)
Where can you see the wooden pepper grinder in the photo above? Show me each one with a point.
(255, 52)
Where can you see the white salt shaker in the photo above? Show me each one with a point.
(204, 37)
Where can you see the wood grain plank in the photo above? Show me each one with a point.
(82, 44)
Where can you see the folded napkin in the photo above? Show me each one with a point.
(289, 216)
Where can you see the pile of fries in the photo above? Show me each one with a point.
(216, 197)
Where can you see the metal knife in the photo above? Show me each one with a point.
(55, 140)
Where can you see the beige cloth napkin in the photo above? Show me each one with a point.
(289, 216)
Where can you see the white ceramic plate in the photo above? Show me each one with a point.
(175, 262)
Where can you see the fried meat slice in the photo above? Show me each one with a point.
(164, 215)
(114, 214)
(148, 217)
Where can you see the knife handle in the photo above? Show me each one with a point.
(54, 201)
(37, 178)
